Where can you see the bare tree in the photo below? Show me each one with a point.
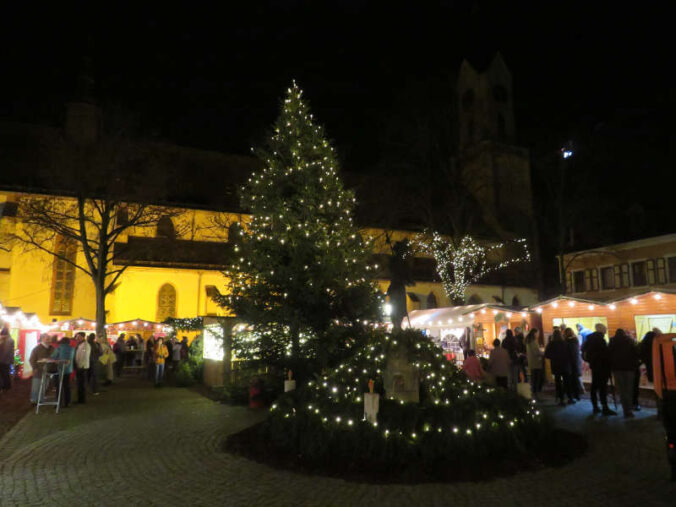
(106, 184)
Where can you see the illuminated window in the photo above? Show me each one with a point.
(63, 277)
(166, 302)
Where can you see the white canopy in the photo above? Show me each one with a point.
(450, 316)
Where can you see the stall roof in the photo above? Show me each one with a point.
(453, 315)
(604, 302)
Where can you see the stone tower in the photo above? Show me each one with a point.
(495, 170)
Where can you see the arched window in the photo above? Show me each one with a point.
(122, 217)
(474, 299)
(500, 93)
(165, 228)
(431, 300)
(166, 302)
(502, 129)
(468, 99)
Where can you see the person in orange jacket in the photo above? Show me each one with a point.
(160, 353)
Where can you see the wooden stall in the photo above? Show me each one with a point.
(637, 313)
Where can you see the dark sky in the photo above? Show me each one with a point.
(210, 74)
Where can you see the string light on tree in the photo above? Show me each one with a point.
(462, 264)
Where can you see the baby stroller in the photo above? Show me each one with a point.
(664, 373)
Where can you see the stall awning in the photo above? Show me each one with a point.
(442, 317)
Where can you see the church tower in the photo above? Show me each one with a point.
(495, 170)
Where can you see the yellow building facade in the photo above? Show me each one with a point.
(157, 284)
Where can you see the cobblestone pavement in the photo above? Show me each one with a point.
(135, 445)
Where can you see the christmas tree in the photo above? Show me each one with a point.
(302, 274)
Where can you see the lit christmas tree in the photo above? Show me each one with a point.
(302, 277)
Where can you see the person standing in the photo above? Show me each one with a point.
(557, 353)
(184, 348)
(575, 361)
(92, 373)
(160, 354)
(623, 360)
(120, 349)
(41, 351)
(582, 333)
(595, 352)
(499, 364)
(521, 353)
(472, 367)
(509, 344)
(82, 356)
(150, 357)
(534, 353)
(65, 352)
(6, 358)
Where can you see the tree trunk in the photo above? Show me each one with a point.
(100, 309)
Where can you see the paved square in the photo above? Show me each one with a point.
(135, 445)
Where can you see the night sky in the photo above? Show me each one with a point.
(210, 74)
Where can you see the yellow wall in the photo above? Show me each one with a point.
(26, 279)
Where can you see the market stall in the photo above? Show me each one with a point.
(25, 329)
(470, 326)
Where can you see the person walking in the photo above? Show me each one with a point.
(160, 354)
(535, 353)
(65, 352)
(557, 353)
(41, 351)
(509, 344)
(6, 358)
(595, 352)
(623, 359)
(575, 360)
(472, 367)
(93, 372)
(82, 356)
(499, 364)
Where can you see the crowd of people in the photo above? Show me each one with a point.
(518, 359)
(93, 361)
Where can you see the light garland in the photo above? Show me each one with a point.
(467, 263)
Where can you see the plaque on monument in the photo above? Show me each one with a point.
(401, 379)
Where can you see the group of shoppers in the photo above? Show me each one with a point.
(92, 360)
(620, 358)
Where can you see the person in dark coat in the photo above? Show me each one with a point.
(575, 360)
(623, 360)
(6, 358)
(95, 354)
(595, 352)
(557, 353)
(509, 344)
(646, 353)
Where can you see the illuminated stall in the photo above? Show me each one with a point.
(25, 329)
(474, 325)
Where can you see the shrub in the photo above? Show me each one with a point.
(456, 423)
(184, 375)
